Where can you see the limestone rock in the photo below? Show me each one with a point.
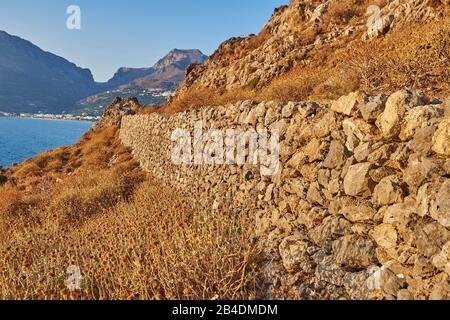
(392, 283)
(288, 110)
(385, 235)
(271, 117)
(389, 122)
(336, 155)
(358, 213)
(418, 118)
(441, 291)
(354, 252)
(372, 109)
(421, 142)
(441, 139)
(357, 180)
(440, 208)
(379, 28)
(347, 105)
(442, 260)
(293, 252)
(431, 238)
(255, 114)
(388, 191)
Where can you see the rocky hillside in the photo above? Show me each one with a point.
(359, 208)
(329, 48)
(33, 80)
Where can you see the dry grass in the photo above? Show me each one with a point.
(204, 97)
(131, 237)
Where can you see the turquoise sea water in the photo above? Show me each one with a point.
(22, 138)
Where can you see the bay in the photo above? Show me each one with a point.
(24, 138)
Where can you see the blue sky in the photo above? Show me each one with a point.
(133, 33)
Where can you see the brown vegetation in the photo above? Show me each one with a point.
(91, 206)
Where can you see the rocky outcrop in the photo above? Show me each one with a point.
(359, 208)
(114, 114)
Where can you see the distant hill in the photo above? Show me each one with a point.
(33, 80)
(166, 74)
(150, 85)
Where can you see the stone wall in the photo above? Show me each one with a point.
(360, 208)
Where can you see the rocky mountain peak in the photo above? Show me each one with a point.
(181, 58)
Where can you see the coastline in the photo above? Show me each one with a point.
(51, 117)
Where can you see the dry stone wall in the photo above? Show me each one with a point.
(360, 208)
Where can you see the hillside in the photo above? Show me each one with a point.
(325, 49)
(33, 80)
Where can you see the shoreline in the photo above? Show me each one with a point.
(55, 118)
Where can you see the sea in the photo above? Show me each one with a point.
(24, 138)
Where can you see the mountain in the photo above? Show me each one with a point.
(152, 85)
(33, 80)
(167, 73)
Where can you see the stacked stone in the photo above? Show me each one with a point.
(360, 208)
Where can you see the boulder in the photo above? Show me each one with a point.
(441, 139)
(347, 105)
(357, 181)
(354, 252)
(388, 191)
(293, 252)
(397, 105)
(336, 156)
